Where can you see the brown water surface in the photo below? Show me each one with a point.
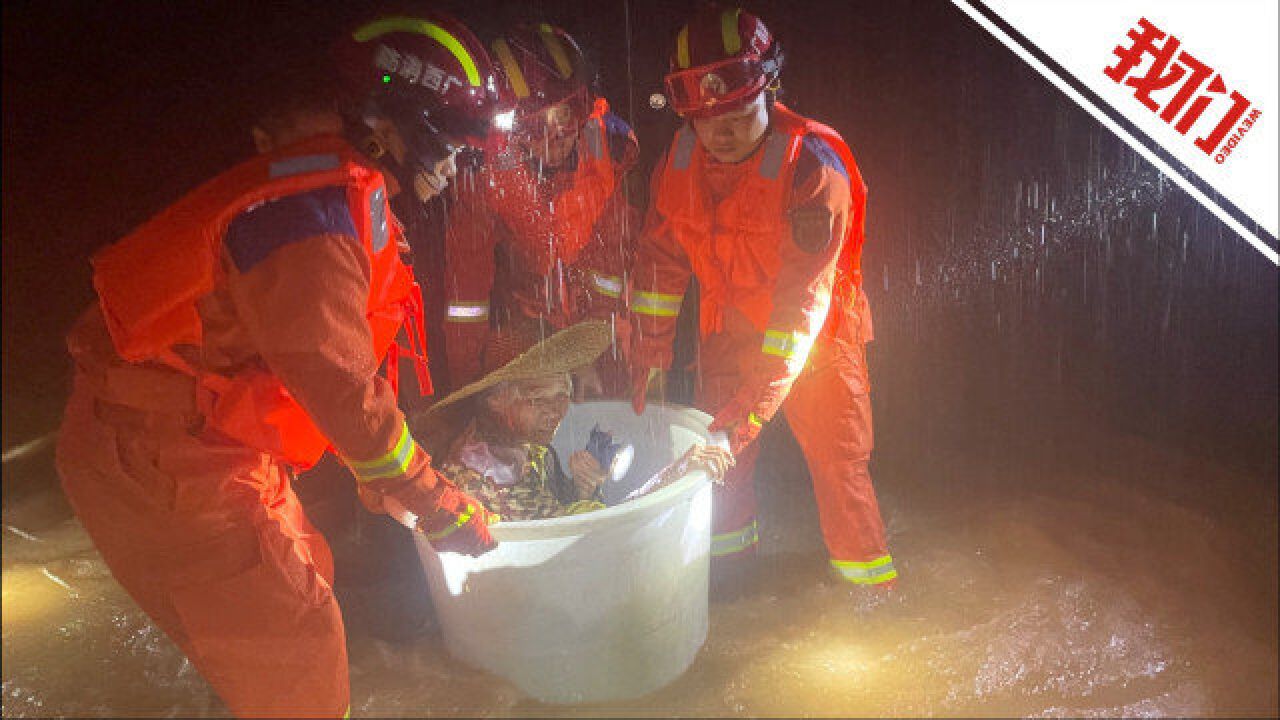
(1141, 583)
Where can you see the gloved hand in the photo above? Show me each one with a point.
(739, 421)
(460, 524)
(761, 394)
(451, 520)
(371, 499)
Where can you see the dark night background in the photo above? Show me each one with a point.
(1036, 286)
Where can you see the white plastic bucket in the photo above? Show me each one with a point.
(602, 606)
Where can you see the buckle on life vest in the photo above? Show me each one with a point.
(256, 410)
(416, 332)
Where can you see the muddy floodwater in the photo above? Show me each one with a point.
(1132, 580)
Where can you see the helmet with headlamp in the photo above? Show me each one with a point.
(547, 74)
(430, 77)
(723, 59)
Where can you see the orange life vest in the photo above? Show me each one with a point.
(543, 231)
(733, 245)
(149, 284)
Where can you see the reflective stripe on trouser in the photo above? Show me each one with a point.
(735, 541)
(870, 572)
(218, 552)
(829, 412)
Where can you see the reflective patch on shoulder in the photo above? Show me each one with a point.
(815, 153)
(682, 154)
(259, 231)
(378, 219)
(811, 228)
(775, 150)
(303, 164)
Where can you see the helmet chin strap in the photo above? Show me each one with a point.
(362, 134)
(429, 185)
(408, 175)
(771, 64)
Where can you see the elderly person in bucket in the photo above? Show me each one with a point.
(494, 435)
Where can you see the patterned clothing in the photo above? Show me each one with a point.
(537, 489)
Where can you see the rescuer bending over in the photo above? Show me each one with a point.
(238, 336)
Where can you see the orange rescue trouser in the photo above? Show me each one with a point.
(211, 542)
(829, 411)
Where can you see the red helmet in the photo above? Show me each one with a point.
(723, 59)
(542, 66)
(429, 75)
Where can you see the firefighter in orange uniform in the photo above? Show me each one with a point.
(765, 208)
(552, 205)
(238, 336)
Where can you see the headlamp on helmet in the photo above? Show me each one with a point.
(723, 59)
(430, 77)
(547, 74)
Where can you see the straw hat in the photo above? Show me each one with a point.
(572, 348)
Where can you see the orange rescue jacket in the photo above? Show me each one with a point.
(149, 283)
(733, 246)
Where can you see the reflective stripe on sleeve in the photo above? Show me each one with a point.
(609, 285)
(785, 344)
(467, 312)
(656, 304)
(872, 572)
(735, 541)
(395, 462)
